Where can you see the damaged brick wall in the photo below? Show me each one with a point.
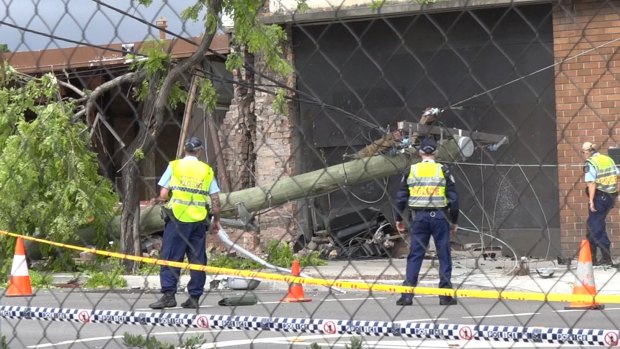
(259, 149)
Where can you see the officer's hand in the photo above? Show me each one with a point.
(592, 208)
(400, 226)
(453, 229)
(214, 227)
(156, 200)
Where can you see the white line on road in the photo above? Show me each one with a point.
(278, 302)
(385, 343)
(498, 315)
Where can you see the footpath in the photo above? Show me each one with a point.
(478, 274)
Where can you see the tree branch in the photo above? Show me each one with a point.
(71, 87)
(91, 102)
(161, 100)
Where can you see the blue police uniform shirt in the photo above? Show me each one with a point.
(164, 181)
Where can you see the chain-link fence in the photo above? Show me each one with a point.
(312, 117)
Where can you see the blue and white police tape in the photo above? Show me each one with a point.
(594, 337)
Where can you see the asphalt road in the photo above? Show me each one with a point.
(26, 333)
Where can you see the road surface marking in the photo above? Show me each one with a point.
(498, 315)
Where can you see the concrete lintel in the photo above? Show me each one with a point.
(357, 12)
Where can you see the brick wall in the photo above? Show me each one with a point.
(587, 105)
(275, 153)
(270, 157)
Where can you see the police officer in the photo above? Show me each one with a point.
(428, 189)
(601, 176)
(190, 181)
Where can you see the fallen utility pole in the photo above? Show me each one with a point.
(315, 183)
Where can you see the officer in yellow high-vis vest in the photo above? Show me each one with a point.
(427, 189)
(192, 183)
(601, 176)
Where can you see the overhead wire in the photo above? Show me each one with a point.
(533, 73)
(275, 83)
(310, 99)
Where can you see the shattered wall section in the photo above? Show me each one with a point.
(259, 149)
(276, 144)
(239, 131)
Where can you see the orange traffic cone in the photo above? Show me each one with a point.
(19, 284)
(584, 282)
(295, 290)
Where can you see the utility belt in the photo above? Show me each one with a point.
(432, 211)
(167, 215)
(598, 192)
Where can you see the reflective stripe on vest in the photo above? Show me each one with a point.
(427, 186)
(190, 184)
(606, 177)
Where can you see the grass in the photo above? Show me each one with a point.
(141, 342)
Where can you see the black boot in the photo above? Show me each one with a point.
(447, 300)
(593, 253)
(404, 300)
(191, 303)
(166, 301)
(605, 259)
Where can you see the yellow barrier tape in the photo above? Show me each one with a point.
(355, 285)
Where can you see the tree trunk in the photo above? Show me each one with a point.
(130, 216)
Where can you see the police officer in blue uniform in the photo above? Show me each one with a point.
(601, 176)
(191, 183)
(428, 190)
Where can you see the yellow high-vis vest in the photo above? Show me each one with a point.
(606, 177)
(190, 184)
(427, 186)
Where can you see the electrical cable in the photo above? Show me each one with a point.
(255, 72)
(534, 72)
(52, 36)
(385, 184)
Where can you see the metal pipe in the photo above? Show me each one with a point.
(226, 240)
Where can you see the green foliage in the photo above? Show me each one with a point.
(138, 154)
(279, 103)
(250, 32)
(3, 343)
(107, 278)
(314, 346)
(4, 48)
(37, 280)
(141, 342)
(277, 253)
(207, 95)
(147, 269)
(356, 343)
(156, 63)
(234, 60)
(376, 4)
(157, 57)
(224, 261)
(302, 6)
(40, 280)
(47, 167)
(177, 96)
